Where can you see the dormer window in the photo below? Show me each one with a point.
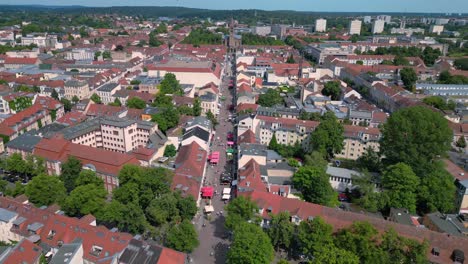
(96, 250)
(51, 234)
(435, 252)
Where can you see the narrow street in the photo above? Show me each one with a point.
(212, 235)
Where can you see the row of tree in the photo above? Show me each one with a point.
(314, 239)
(143, 203)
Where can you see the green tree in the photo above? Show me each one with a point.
(162, 28)
(15, 163)
(212, 118)
(67, 105)
(166, 119)
(334, 255)
(400, 60)
(314, 184)
(332, 89)
(128, 217)
(370, 160)
(136, 102)
(70, 171)
(437, 191)
(273, 143)
(461, 142)
(415, 136)
(403, 250)
(409, 78)
(270, 98)
(116, 102)
(290, 59)
(163, 210)
(153, 39)
(281, 230)
(96, 98)
(197, 107)
(170, 151)
(45, 190)
(361, 239)
(315, 159)
(88, 177)
(239, 210)
(75, 99)
(85, 199)
(54, 94)
(170, 85)
(250, 245)
(364, 194)
(400, 184)
(461, 64)
(313, 235)
(106, 55)
(182, 237)
(163, 101)
(328, 137)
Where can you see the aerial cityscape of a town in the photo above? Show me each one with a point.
(244, 132)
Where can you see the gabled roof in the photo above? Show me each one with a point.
(247, 137)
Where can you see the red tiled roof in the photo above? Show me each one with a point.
(191, 160)
(14, 60)
(104, 110)
(105, 162)
(72, 118)
(245, 106)
(6, 127)
(170, 256)
(143, 153)
(24, 252)
(247, 137)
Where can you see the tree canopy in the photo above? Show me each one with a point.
(409, 78)
(332, 89)
(170, 151)
(416, 136)
(314, 184)
(170, 85)
(239, 210)
(182, 237)
(250, 245)
(96, 98)
(270, 98)
(70, 171)
(136, 102)
(45, 190)
(328, 137)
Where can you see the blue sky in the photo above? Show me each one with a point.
(430, 6)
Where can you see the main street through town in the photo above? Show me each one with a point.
(212, 235)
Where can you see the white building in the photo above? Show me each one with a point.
(41, 40)
(367, 19)
(80, 54)
(442, 21)
(378, 26)
(437, 29)
(262, 30)
(107, 91)
(355, 27)
(320, 25)
(198, 73)
(385, 18)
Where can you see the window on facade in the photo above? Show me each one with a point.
(116, 133)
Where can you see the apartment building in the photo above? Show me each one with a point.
(76, 88)
(354, 27)
(357, 140)
(42, 40)
(436, 29)
(209, 103)
(107, 91)
(320, 25)
(111, 133)
(80, 54)
(197, 73)
(262, 30)
(378, 26)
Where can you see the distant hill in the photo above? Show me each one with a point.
(246, 16)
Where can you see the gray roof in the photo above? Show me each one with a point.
(360, 114)
(200, 121)
(401, 216)
(197, 132)
(75, 83)
(139, 252)
(151, 110)
(35, 226)
(450, 224)
(340, 172)
(6, 215)
(66, 252)
(19, 220)
(25, 142)
(108, 87)
(157, 139)
(273, 155)
(253, 149)
(208, 97)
